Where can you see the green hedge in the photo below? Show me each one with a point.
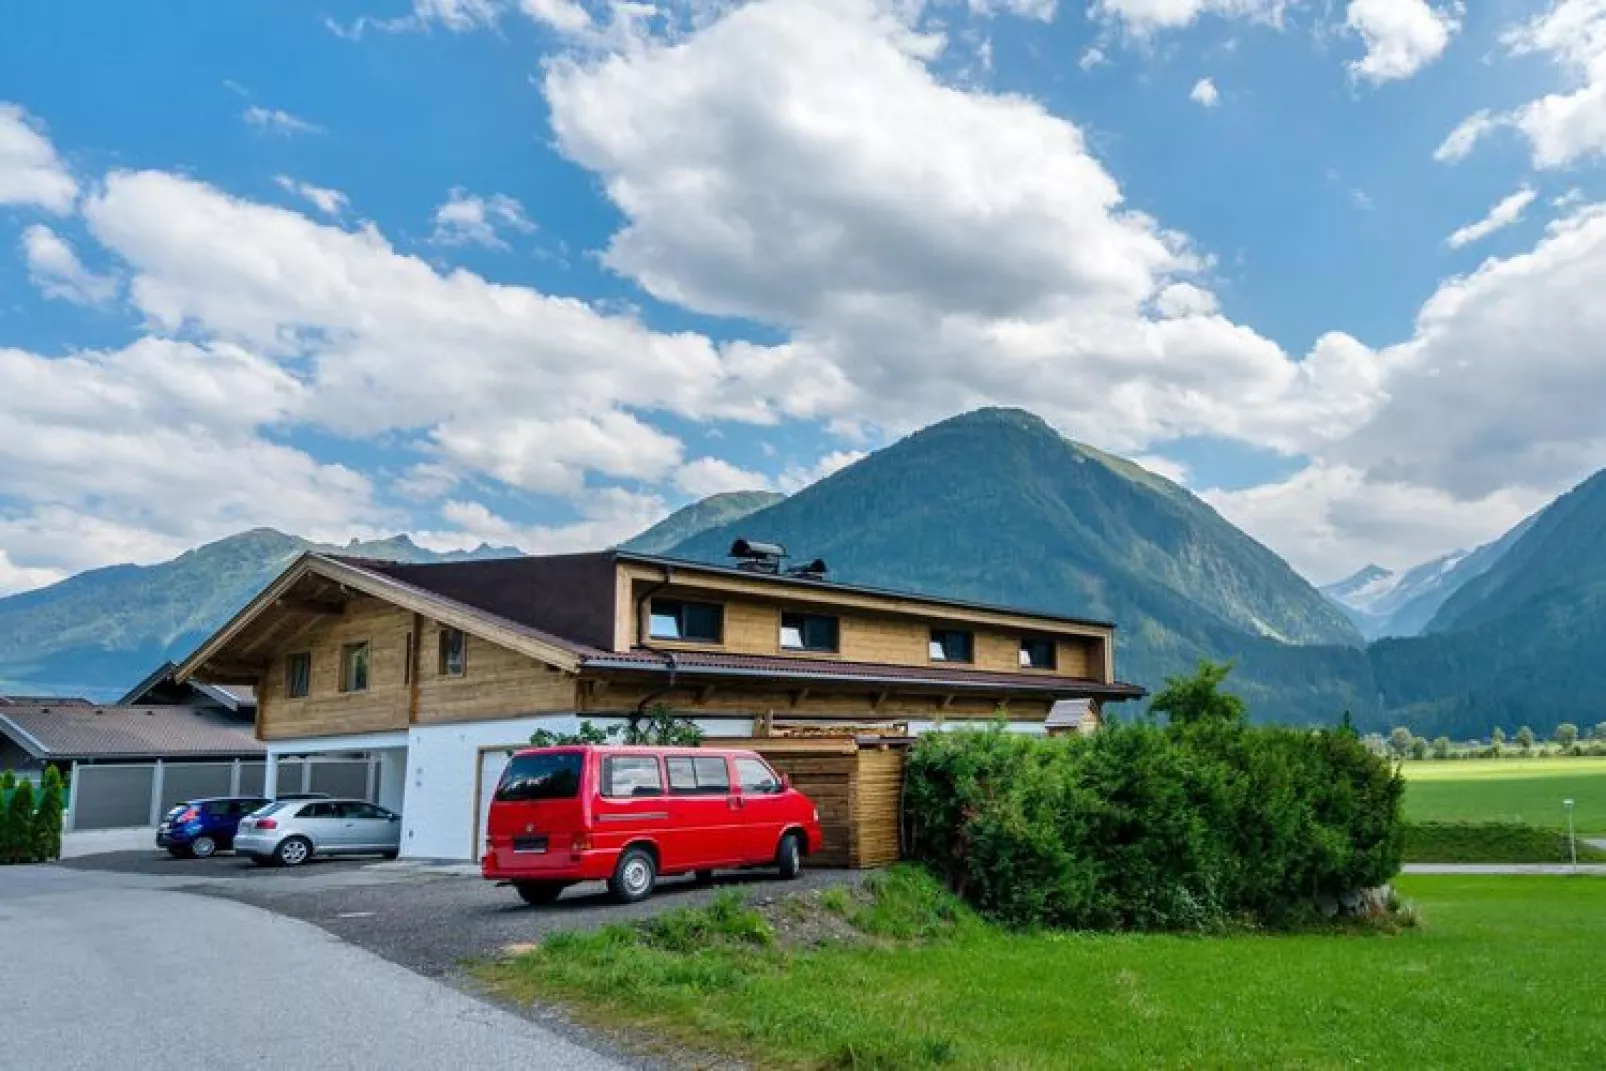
(1491, 842)
(30, 823)
(1193, 826)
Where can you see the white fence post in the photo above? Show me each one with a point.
(373, 771)
(156, 794)
(306, 773)
(234, 778)
(72, 799)
(270, 776)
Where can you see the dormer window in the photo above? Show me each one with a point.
(697, 622)
(952, 645)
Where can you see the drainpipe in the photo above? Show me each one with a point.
(641, 641)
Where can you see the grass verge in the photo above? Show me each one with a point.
(1490, 842)
(1504, 968)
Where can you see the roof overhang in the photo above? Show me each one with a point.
(352, 578)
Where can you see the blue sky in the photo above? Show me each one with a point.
(538, 272)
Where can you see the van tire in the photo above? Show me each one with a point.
(539, 893)
(635, 876)
(789, 856)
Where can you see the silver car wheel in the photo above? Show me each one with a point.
(203, 847)
(637, 876)
(293, 852)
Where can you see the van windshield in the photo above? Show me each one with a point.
(552, 776)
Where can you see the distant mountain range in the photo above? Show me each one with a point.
(995, 505)
(99, 632)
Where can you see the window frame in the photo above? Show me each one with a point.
(442, 666)
(1053, 653)
(680, 617)
(933, 645)
(804, 617)
(605, 778)
(698, 788)
(290, 661)
(348, 652)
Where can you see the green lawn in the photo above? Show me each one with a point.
(1503, 972)
(1521, 791)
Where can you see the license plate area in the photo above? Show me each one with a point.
(529, 845)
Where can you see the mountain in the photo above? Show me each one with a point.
(997, 506)
(100, 631)
(711, 512)
(1381, 603)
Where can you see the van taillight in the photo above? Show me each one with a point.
(267, 823)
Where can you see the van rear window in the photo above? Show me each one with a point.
(541, 777)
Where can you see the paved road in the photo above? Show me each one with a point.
(1593, 869)
(121, 970)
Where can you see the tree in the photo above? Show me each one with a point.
(1419, 748)
(18, 833)
(1441, 747)
(1566, 734)
(1400, 741)
(1600, 732)
(47, 818)
(1525, 738)
(1497, 737)
(658, 725)
(1199, 698)
(8, 781)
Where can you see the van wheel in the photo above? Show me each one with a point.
(539, 893)
(203, 847)
(633, 879)
(789, 856)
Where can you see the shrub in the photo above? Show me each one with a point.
(16, 835)
(8, 781)
(47, 818)
(658, 725)
(1194, 826)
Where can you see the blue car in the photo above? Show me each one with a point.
(201, 828)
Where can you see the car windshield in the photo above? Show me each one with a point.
(546, 776)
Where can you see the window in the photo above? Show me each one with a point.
(298, 675)
(951, 645)
(1037, 654)
(673, 619)
(320, 810)
(756, 777)
(354, 667)
(454, 652)
(549, 776)
(631, 775)
(697, 776)
(364, 811)
(809, 632)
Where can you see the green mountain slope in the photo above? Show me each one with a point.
(96, 633)
(995, 505)
(699, 517)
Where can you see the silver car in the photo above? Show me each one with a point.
(289, 832)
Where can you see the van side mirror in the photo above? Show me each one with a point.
(786, 781)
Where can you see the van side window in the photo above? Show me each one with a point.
(631, 775)
(697, 776)
(756, 777)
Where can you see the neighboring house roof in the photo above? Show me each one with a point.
(35, 700)
(780, 667)
(1070, 714)
(159, 687)
(74, 731)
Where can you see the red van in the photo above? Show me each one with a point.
(627, 815)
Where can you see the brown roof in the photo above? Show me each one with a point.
(69, 731)
(780, 667)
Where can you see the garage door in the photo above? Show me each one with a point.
(492, 763)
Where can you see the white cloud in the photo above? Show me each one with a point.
(1504, 214)
(30, 171)
(1171, 469)
(607, 516)
(278, 121)
(1093, 57)
(1401, 36)
(1564, 127)
(329, 202)
(469, 219)
(1205, 93)
(15, 578)
(896, 243)
(564, 15)
(797, 477)
(56, 270)
(1329, 520)
(1147, 16)
(712, 476)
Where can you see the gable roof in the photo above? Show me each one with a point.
(71, 731)
(235, 698)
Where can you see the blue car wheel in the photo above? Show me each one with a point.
(203, 847)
